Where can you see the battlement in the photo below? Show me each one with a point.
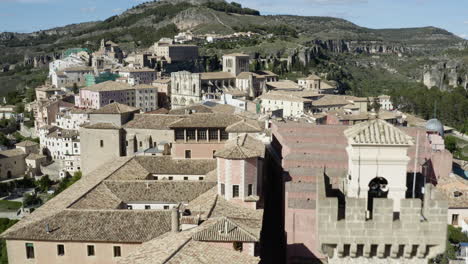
(346, 231)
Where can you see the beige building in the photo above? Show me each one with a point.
(317, 84)
(20, 161)
(134, 76)
(290, 104)
(190, 88)
(166, 49)
(131, 211)
(102, 139)
(236, 63)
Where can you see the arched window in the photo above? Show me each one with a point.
(378, 188)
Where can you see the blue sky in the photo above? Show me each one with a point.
(33, 15)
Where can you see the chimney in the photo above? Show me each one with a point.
(47, 229)
(175, 220)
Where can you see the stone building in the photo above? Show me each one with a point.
(62, 146)
(135, 76)
(317, 84)
(146, 97)
(167, 50)
(102, 139)
(20, 161)
(164, 92)
(189, 88)
(370, 166)
(46, 92)
(134, 210)
(236, 63)
(102, 94)
(290, 104)
(72, 118)
(69, 77)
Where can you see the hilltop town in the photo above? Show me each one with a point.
(151, 156)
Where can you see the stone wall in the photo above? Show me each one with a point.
(416, 233)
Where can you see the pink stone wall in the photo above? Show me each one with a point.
(251, 172)
(199, 151)
(88, 99)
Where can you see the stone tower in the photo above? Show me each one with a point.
(236, 63)
(238, 177)
(378, 157)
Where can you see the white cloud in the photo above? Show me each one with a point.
(465, 36)
(465, 22)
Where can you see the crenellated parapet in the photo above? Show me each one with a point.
(348, 233)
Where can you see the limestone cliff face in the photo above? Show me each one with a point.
(190, 19)
(42, 60)
(446, 74)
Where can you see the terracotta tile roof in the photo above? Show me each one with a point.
(227, 229)
(245, 126)
(64, 133)
(311, 77)
(27, 143)
(377, 132)
(178, 248)
(115, 108)
(206, 121)
(112, 194)
(144, 86)
(98, 226)
(331, 100)
(283, 97)
(34, 156)
(11, 153)
(101, 126)
(159, 111)
(196, 108)
(152, 121)
(284, 84)
(447, 187)
(242, 147)
(67, 197)
(108, 86)
(216, 76)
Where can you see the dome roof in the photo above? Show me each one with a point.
(434, 125)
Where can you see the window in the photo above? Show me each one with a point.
(185, 178)
(155, 178)
(201, 134)
(179, 134)
(90, 250)
(237, 246)
(223, 190)
(102, 143)
(171, 178)
(117, 251)
(166, 207)
(200, 178)
(190, 134)
(147, 207)
(214, 154)
(129, 207)
(141, 144)
(29, 250)
(213, 134)
(249, 189)
(60, 250)
(457, 194)
(224, 135)
(235, 191)
(455, 219)
(188, 154)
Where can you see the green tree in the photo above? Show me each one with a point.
(451, 144)
(31, 199)
(44, 183)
